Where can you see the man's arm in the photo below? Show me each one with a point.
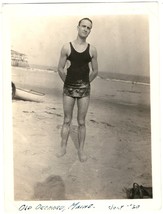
(62, 62)
(94, 64)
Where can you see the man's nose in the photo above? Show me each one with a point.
(86, 29)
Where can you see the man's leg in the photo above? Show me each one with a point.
(68, 105)
(82, 104)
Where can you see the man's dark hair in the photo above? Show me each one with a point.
(85, 19)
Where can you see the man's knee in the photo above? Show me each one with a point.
(81, 122)
(67, 121)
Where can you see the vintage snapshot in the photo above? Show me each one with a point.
(82, 87)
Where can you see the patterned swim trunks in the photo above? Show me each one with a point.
(76, 92)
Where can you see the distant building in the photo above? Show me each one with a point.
(19, 59)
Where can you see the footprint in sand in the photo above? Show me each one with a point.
(93, 121)
(58, 115)
(48, 112)
(59, 126)
(28, 111)
(107, 124)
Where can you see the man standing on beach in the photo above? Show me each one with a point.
(82, 69)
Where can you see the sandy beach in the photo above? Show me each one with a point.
(118, 141)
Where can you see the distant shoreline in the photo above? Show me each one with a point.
(135, 79)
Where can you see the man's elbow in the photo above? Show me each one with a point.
(96, 73)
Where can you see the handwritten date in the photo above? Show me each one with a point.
(120, 207)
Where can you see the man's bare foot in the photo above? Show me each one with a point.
(62, 152)
(82, 156)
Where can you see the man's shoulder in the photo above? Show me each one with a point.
(65, 48)
(93, 50)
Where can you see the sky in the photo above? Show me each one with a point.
(120, 33)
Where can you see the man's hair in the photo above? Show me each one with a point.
(85, 19)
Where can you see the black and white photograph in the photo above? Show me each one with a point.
(81, 80)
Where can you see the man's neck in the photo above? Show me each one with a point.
(80, 40)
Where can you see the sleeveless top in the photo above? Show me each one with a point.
(78, 72)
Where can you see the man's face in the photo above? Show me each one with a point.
(84, 28)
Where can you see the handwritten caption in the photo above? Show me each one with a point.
(76, 206)
(73, 206)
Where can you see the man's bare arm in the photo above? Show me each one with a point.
(94, 65)
(62, 63)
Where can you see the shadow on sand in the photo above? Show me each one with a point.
(53, 188)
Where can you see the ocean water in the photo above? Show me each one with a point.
(124, 77)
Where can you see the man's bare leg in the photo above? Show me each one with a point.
(83, 104)
(68, 105)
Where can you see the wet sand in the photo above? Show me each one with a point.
(118, 141)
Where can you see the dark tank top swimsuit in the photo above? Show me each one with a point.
(77, 80)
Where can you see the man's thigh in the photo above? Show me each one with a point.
(68, 105)
(83, 104)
